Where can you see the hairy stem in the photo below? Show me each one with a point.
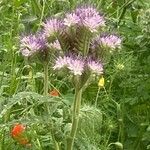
(56, 144)
(45, 78)
(75, 119)
(46, 93)
(97, 97)
(2, 139)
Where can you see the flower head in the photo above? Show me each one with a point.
(71, 19)
(17, 130)
(54, 92)
(55, 45)
(101, 82)
(90, 18)
(111, 41)
(31, 44)
(76, 65)
(17, 133)
(52, 26)
(73, 63)
(61, 62)
(95, 66)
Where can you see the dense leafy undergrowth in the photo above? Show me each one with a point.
(115, 116)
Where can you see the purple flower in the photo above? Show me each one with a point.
(95, 66)
(52, 26)
(74, 64)
(111, 41)
(71, 19)
(93, 23)
(61, 62)
(90, 18)
(26, 52)
(55, 45)
(31, 44)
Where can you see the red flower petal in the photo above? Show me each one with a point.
(17, 130)
(17, 134)
(54, 92)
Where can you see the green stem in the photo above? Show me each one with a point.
(37, 141)
(87, 43)
(42, 13)
(45, 78)
(3, 133)
(46, 85)
(2, 139)
(75, 119)
(97, 97)
(46, 93)
(56, 144)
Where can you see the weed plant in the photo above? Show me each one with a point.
(115, 116)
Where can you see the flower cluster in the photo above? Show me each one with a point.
(31, 44)
(55, 31)
(95, 66)
(108, 41)
(77, 65)
(71, 19)
(52, 26)
(74, 64)
(111, 41)
(85, 16)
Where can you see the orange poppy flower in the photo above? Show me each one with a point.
(54, 92)
(17, 133)
(17, 130)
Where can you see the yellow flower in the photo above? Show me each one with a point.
(101, 82)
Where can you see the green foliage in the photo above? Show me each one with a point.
(89, 135)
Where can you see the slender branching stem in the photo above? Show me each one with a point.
(56, 144)
(3, 133)
(75, 118)
(37, 141)
(2, 139)
(97, 97)
(45, 78)
(46, 93)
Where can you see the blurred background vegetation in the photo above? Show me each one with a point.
(122, 115)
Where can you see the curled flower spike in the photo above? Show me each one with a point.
(71, 19)
(86, 11)
(52, 26)
(31, 44)
(61, 62)
(95, 66)
(74, 64)
(110, 41)
(92, 23)
(78, 64)
(90, 18)
(55, 45)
